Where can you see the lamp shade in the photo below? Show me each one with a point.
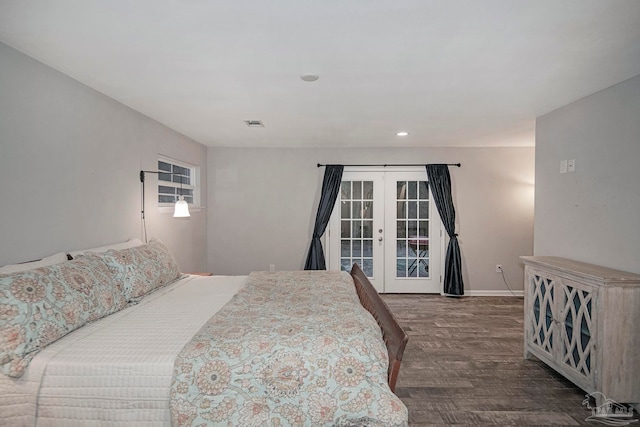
(182, 208)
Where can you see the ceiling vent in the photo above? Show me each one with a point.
(254, 123)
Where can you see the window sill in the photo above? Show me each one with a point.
(170, 209)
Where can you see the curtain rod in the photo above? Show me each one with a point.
(399, 164)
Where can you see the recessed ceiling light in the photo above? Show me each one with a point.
(309, 77)
(402, 133)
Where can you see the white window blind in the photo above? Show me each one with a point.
(180, 179)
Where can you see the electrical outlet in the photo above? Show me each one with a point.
(272, 267)
(498, 268)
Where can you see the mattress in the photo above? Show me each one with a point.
(118, 370)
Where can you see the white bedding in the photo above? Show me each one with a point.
(116, 371)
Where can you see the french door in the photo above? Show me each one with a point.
(385, 221)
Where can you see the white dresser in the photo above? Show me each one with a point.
(584, 321)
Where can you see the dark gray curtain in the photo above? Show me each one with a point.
(440, 183)
(330, 190)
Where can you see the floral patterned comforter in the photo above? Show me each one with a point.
(290, 349)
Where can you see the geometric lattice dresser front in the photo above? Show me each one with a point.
(583, 320)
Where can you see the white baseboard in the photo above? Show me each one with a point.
(493, 293)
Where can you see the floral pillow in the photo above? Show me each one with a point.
(142, 269)
(39, 306)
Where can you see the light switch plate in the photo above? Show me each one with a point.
(571, 165)
(563, 166)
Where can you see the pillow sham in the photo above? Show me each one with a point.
(142, 269)
(39, 306)
(44, 262)
(122, 245)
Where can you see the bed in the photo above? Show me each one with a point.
(282, 348)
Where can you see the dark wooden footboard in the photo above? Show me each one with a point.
(394, 336)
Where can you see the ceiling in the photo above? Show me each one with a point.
(450, 72)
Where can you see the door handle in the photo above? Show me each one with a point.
(380, 239)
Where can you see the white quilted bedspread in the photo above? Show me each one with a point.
(116, 371)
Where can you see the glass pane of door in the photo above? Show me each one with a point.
(412, 225)
(356, 225)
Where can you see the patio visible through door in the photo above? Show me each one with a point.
(385, 221)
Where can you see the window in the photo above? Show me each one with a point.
(180, 179)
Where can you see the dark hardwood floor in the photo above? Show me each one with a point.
(464, 364)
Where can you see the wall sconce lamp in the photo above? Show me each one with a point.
(181, 209)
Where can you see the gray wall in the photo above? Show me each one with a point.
(69, 163)
(262, 205)
(593, 214)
